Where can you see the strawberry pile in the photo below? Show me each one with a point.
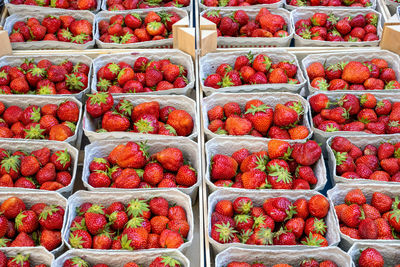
(132, 29)
(353, 113)
(51, 28)
(238, 24)
(19, 260)
(115, 5)
(144, 76)
(372, 257)
(65, 4)
(330, 3)
(161, 261)
(283, 166)
(259, 119)
(142, 224)
(44, 78)
(130, 166)
(304, 263)
(145, 118)
(353, 75)
(41, 169)
(378, 220)
(379, 163)
(51, 121)
(39, 225)
(277, 222)
(230, 3)
(252, 70)
(324, 27)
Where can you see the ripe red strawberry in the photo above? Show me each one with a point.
(370, 257)
(26, 221)
(80, 239)
(95, 219)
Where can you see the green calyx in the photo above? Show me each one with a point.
(79, 226)
(48, 211)
(298, 107)
(331, 128)
(170, 129)
(312, 241)
(70, 125)
(18, 220)
(3, 74)
(253, 109)
(340, 157)
(333, 19)
(20, 259)
(103, 85)
(125, 107)
(34, 132)
(282, 174)
(135, 222)
(66, 33)
(38, 72)
(226, 232)
(77, 261)
(97, 209)
(80, 38)
(261, 162)
(213, 13)
(11, 163)
(169, 261)
(395, 214)
(126, 38)
(136, 207)
(242, 218)
(265, 235)
(390, 85)
(63, 157)
(319, 226)
(74, 82)
(4, 241)
(35, 115)
(45, 90)
(144, 126)
(76, 241)
(245, 206)
(98, 98)
(100, 160)
(126, 243)
(221, 131)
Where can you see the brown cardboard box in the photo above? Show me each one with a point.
(391, 37)
(5, 45)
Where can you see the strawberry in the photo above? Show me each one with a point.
(315, 70)
(29, 166)
(223, 233)
(26, 221)
(80, 239)
(285, 116)
(170, 158)
(11, 207)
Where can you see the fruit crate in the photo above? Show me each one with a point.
(210, 62)
(180, 102)
(389, 252)
(31, 145)
(254, 41)
(24, 101)
(300, 13)
(228, 145)
(13, 8)
(360, 142)
(271, 99)
(337, 194)
(176, 56)
(55, 58)
(103, 148)
(332, 234)
(24, 16)
(118, 259)
(273, 256)
(105, 198)
(49, 198)
(37, 255)
(322, 137)
(332, 58)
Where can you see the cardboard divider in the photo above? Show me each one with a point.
(391, 37)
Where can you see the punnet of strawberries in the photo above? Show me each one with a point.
(378, 163)
(130, 166)
(230, 3)
(44, 78)
(49, 121)
(134, 28)
(24, 226)
(375, 74)
(332, 28)
(380, 219)
(18, 260)
(303, 263)
(161, 261)
(41, 169)
(53, 28)
(115, 5)
(278, 221)
(250, 69)
(281, 166)
(145, 75)
(141, 224)
(64, 4)
(372, 257)
(240, 24)
(259, 119)
(145, 118)
(331, 3)
(355, 113)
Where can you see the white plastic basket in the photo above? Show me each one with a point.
(292, 257)
(49, 198)
(179, 102)
(210, 62)
(118, 259)
(23, 16)
(15, 60)
(105, 198)
(106, 15)
(389, 252)
(176, 56)
(32, 145)
(337, 194)
(258, 198)
(227, 146)
(271, 99)
(24, 101)
(302, 13)
(37, 255)
(229, 42)
(103, 148)
(333, 58)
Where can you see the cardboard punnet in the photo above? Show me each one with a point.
(391, 37)
(5, 48)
